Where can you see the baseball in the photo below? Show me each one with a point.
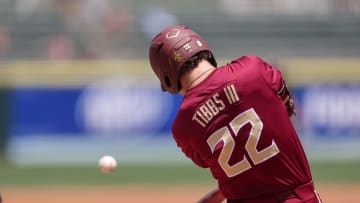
(107, 164)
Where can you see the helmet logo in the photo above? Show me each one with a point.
(187, 47)
(177, 57)
(173, 33)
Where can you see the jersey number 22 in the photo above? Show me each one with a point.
(224, 134)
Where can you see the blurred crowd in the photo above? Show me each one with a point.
(97, 29)
(65, 29)
(290, 7)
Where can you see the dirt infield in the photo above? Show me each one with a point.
(330, 193)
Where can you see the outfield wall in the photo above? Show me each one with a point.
(74, 112)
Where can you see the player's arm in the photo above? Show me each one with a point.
(286, 97)
(214, 196)
(186, 147)
(274, 79)
(191, 154)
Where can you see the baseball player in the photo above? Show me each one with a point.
(234, 120)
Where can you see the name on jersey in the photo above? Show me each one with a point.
(214, 105)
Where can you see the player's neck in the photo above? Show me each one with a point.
(196, 76)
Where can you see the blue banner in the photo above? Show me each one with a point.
(328, 111)
(107, 109)
(114, 109)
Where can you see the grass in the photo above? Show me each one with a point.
(343, 171)
(11, 175)
(90, 175)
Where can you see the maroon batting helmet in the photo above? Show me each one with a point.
(169, 51)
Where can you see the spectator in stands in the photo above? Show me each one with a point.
(5, 43)
(59, 47)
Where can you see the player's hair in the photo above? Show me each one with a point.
(194, 61)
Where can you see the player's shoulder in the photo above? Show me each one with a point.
(249, 59)
(251, 63)
(247, 63)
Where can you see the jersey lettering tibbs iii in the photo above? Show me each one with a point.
(234, 123)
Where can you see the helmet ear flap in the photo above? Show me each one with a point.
(169, 84)
(167, 81)
(163, 88)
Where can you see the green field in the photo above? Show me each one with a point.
(323, 172)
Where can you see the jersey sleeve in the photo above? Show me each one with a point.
(187, 149)
(275, 81)
(271, 75)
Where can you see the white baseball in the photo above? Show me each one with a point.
(107, 164)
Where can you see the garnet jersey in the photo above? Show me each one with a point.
(234, 123)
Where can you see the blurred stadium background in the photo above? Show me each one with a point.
(75, 84)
